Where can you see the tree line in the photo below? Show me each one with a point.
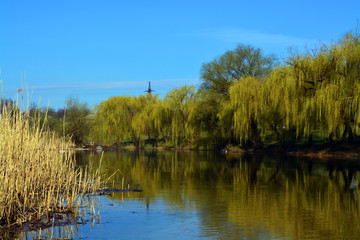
(246, 98)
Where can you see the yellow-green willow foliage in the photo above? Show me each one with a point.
(338, 102)
(259, 106)
(317, 93)
(307, 74)
(276, 108)
(162, 118)
(142, 121)
(325, 89)
(245, 109)
(125, 118)
(204, 121)
(114, 118)
(180, 102)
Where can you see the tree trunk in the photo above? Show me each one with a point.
(256, 135)
(278, 135)
(310, 140)
(136, 141)
(348, 133)
(331, 140)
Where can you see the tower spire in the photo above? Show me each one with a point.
(149, 89)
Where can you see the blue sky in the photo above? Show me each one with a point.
(92, 50)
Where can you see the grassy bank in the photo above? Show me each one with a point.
(37, 171)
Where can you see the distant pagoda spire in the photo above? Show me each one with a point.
(149, 89)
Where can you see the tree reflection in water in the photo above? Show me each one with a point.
(250, 196)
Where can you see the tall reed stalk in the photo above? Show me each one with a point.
(37, 170)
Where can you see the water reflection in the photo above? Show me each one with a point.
(249, 196)
(55, 232)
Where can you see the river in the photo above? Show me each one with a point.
(209, 195)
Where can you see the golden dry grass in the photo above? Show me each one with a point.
(37, 171)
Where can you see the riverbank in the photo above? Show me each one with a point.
(318, 150)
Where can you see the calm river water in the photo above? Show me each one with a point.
(208, 195)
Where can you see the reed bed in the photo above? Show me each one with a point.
(37, 171)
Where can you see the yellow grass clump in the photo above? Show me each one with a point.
(37, 171)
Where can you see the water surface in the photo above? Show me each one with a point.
(207, 195)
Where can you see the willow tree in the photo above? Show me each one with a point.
(325, 83)
(108, 117)
(308, 73)
(161, 115)
(180, 103)
(218, 75)
(153, 119)
(97, 130)
(115, 118)
(258, 106)
(338, 101)
(245, 110)
(204, 121)
(277, 104)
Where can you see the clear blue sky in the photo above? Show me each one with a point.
(96, 49)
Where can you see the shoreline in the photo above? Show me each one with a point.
(349, 152)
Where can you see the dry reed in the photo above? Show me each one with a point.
(37, 171)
